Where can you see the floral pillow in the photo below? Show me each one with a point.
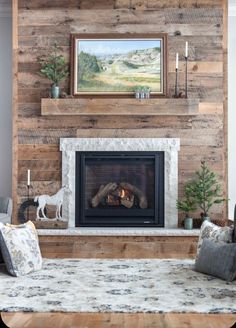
(20, 248)
(215, 233)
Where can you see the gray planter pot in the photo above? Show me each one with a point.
(55, 92)
(188, 223)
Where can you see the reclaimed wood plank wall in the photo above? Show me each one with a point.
(41, 23)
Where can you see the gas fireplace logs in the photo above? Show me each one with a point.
(137, 192)
(114, 194)
(103, 192)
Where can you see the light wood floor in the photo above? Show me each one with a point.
(117, 320)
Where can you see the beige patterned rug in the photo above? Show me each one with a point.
(92, 285)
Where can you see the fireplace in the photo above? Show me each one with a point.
(119, 189)
(137, 148)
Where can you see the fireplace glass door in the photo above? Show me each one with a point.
(119, 189)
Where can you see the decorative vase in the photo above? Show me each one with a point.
(55, 92)
(188, 223)
(206, 218)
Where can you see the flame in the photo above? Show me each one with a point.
(122, 193)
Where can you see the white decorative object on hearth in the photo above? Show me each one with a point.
(170, 147)
(44, 200)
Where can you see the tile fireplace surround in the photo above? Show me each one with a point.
(170, 146)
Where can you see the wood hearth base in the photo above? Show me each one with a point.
(118, 246)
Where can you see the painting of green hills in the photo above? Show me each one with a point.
(118, 66)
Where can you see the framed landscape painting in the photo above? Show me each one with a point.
(118, 65)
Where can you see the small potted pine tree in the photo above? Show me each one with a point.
(55, 69)
(187, 205)
(206, 190)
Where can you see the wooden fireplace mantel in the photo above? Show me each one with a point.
(119, 106)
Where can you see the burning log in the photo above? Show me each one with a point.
(127, 202)
(103, 192)
(124, 194)
(126, 197)
(137, 192)
(112, 200)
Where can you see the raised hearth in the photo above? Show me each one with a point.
(169, 147)
(118, 232)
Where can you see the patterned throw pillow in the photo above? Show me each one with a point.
(215, 233)
(20, 248)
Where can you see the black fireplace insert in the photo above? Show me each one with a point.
(119, 189)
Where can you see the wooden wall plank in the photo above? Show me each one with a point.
(129, 4)
(39, 187)
(39, 152)
(55, 124)
(26, 4)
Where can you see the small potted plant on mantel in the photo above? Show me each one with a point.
(55, 69)
(205, 190)
(187, 205)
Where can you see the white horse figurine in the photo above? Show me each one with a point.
(44, 200)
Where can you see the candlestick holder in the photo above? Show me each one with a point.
(186, 77)
(176, 84)
(28, 194)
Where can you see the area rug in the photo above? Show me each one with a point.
(92, 285)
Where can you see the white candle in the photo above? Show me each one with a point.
(186, 49)
(28, 178)
(177, 61)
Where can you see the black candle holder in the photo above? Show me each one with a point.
(176, 84)
(186, 77)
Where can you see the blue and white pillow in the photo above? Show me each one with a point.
(20, 248)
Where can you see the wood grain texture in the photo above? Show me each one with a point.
(50, 224)
(121, 106)
(118, 320)
(114, 4)
(117, 247)
(203, 23)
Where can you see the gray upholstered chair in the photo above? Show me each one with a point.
(5, 209)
